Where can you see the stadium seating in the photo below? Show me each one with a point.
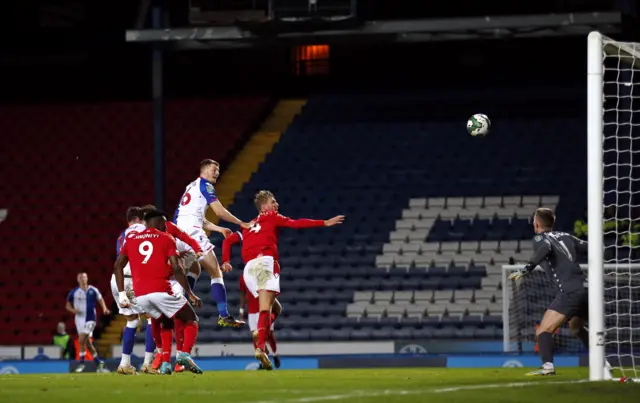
(69, 173)
(432, 213)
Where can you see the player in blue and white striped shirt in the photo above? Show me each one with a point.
(82, 303)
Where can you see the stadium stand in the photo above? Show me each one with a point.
(431, 213)
(74, 155)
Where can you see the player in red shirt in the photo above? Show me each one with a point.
(252, 303)
(153, 257)
(260, 254)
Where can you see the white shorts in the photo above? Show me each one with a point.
(176, 287)
(157, 304)
(84, 327)
(199, 235)
(258, 275)
(133, 309)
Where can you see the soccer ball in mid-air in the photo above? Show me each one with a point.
(478, 125)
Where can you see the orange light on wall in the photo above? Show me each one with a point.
(311, 60)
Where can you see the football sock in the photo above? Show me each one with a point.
(167, 341)
(219, 294)
(82, 354)
(149, 342)
(96, 359)
(264, 326)
(190, 336)
(545, 341)
(156, 331)
(128, 339)
(272, 341)
(179, 326)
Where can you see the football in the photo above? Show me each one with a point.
(479, 125)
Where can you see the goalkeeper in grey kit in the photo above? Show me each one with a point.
(557, 253)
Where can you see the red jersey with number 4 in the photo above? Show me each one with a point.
(253, 303)
(148, 252)
(262, 238)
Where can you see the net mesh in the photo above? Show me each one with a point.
(621, 182)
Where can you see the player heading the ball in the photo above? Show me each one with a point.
(190, 217)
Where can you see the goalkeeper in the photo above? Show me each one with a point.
(556, 252)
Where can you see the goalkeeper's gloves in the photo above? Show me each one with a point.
(518, 274)
(123, 299)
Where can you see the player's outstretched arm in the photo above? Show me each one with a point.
(209, 226)
(541, 248)
(308, 223)
(225, 215)
(580, 245)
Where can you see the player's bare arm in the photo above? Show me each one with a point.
(339, 219)
(70, 308)
(105, 310)
(118, 271)
(225, 215)
(209, 226)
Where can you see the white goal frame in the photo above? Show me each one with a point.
(597, 47)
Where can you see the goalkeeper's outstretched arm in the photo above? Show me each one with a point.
(541, 248)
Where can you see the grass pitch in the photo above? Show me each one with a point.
(361, 386)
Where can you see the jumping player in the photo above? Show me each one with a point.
(260, 254)
(82, 303)
(557, 253)
(253, 306)
(153, 257)
(189, 216)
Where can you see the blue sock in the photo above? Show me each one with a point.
(82, 357)
(149, 344)
(97, 359)
(219, 294)
(128, 339)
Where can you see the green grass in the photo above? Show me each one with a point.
(361, 386)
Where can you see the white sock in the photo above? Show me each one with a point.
(148, 358)
(217, 280)
(547, 365)
(125, 360)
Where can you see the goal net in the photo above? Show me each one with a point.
(613, 164)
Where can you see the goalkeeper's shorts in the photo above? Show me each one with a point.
(572, 304)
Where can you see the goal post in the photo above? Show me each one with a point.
(613, 187)
(595, 203)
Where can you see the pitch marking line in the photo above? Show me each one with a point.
(312, 399)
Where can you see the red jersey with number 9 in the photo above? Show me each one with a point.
(148, 254)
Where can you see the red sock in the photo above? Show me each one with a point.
(264, 327)
(272, 342)
(156, 332)
(167, 344)
(190, 336)
(179, 326)
(273, 317)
